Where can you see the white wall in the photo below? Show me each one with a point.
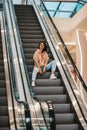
(67, 26)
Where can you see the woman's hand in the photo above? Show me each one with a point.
(40, 71)
(44, 70)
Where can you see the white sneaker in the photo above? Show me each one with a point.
(52, 76)
(33, 83)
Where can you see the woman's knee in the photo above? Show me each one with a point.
(35, 70)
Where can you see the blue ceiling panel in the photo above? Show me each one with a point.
(64, 9)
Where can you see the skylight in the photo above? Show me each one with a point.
(63, 9)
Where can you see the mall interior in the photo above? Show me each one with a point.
(51, 104)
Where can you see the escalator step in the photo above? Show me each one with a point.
(29, 24)
(3, 101)
(54, 98)
(4, 121)
(1, 56)
(3, 111)
(26, 20)
(2, 83)
(3, 92)
(2, 76)
(44, 76)
(48, 82)
(39, 32)
(61, 108)
(30, 28)
(66, 118)
(32, 36)
(67, 127)
(4, 128)
(1, 62)
(1, 69)
(32, 40)
(48, 90)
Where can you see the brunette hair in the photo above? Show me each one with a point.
(45, 46)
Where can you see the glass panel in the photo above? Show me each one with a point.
(63, 15)
(79, 6)
(68, 6)
(51, 5)
(63, 9)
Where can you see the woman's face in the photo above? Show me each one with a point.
(41, 46)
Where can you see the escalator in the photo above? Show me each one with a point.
(4, 115)
(46, 89)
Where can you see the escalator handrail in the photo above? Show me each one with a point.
(13, 81)
(8, 63)
(66, 50)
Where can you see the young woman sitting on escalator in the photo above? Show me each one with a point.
(41, 64)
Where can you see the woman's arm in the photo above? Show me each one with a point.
(45, 64)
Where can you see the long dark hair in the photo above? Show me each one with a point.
(45, 46)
